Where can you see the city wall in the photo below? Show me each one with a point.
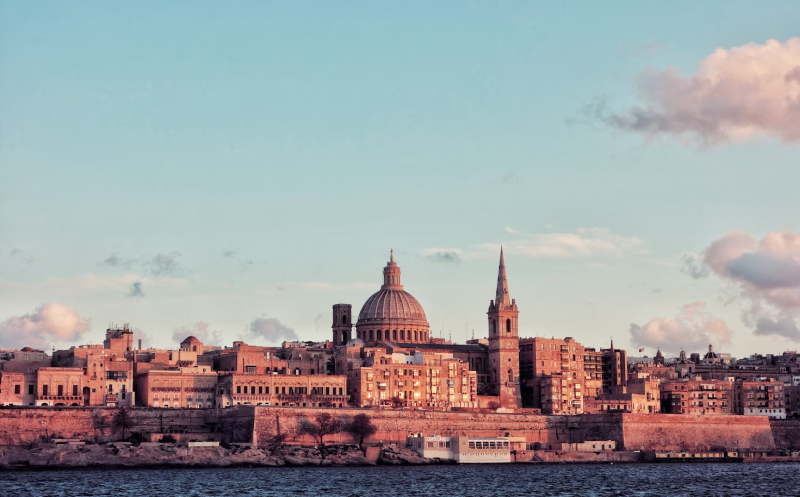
(20, 425)
(396, 425)
(679, 432)
(260, 425)
(786, 433)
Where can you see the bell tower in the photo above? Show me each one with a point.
(503, 317)
(342, 325)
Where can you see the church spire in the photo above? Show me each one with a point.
(502, 297)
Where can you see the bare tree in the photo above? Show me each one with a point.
(324, 424)
(122, 420)
(360, 428)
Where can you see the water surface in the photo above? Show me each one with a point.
(506, 480)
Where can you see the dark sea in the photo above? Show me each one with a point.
(506, 480)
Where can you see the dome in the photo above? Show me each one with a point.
(390, 304)
(392, 314)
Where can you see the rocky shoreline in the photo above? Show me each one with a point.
(154, 454)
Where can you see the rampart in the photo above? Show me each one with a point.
(19, 425)
(679, 432)
(259, 425)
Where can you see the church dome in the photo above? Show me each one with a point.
(392, 314)
(391, 304)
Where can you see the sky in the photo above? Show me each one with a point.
(233, 170)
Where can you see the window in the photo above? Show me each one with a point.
(60, 390)
(74, 390)
(30, 389)
(17, 389)
(508, 325)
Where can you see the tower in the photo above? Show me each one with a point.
(503, 317)
(342, 323)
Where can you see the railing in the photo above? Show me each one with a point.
(60, 397)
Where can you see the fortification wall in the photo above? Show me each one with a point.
(786, 433)
(260, 424)
(678, 432)
(396, 425)
(19, 425)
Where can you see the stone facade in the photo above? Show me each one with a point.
(697, 397)
(281, 390)
(421, 380)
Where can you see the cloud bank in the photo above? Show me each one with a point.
(160, 265)
(444, 255)
(200, 330)
(691, 330)
(766, 274)
(584, 242)
(735, 94)
(50, 323)
(271, 330)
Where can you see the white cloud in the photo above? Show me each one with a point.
(271, 330)
(736, 94)
(445, 255)
(200, 330)
(52, 322)
(584, 242)
(692, 329)
(766, 274)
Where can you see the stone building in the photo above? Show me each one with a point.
(58, 386)
(194, 386)
(108, 369)
(553, 374)
(640, 396)
(281, 390)
(419, 380)
(760, 397)
(697, 396)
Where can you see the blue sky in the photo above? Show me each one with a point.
(270, 154)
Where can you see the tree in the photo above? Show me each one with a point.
(123, 421)
(324, 424)
(360, 428)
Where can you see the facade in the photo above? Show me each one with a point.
(697, 397)
(281, 390)
(16, 390)
(761, 397)
(554, 376)
(420, 380)
(60, 387)
(466, 450)
(184, 387)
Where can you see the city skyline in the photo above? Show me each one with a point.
(203, 171)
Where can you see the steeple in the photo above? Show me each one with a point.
(503, 317)
(502, 298)
(391, 274)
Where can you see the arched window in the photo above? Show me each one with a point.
(508, 325)
(344, 319)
